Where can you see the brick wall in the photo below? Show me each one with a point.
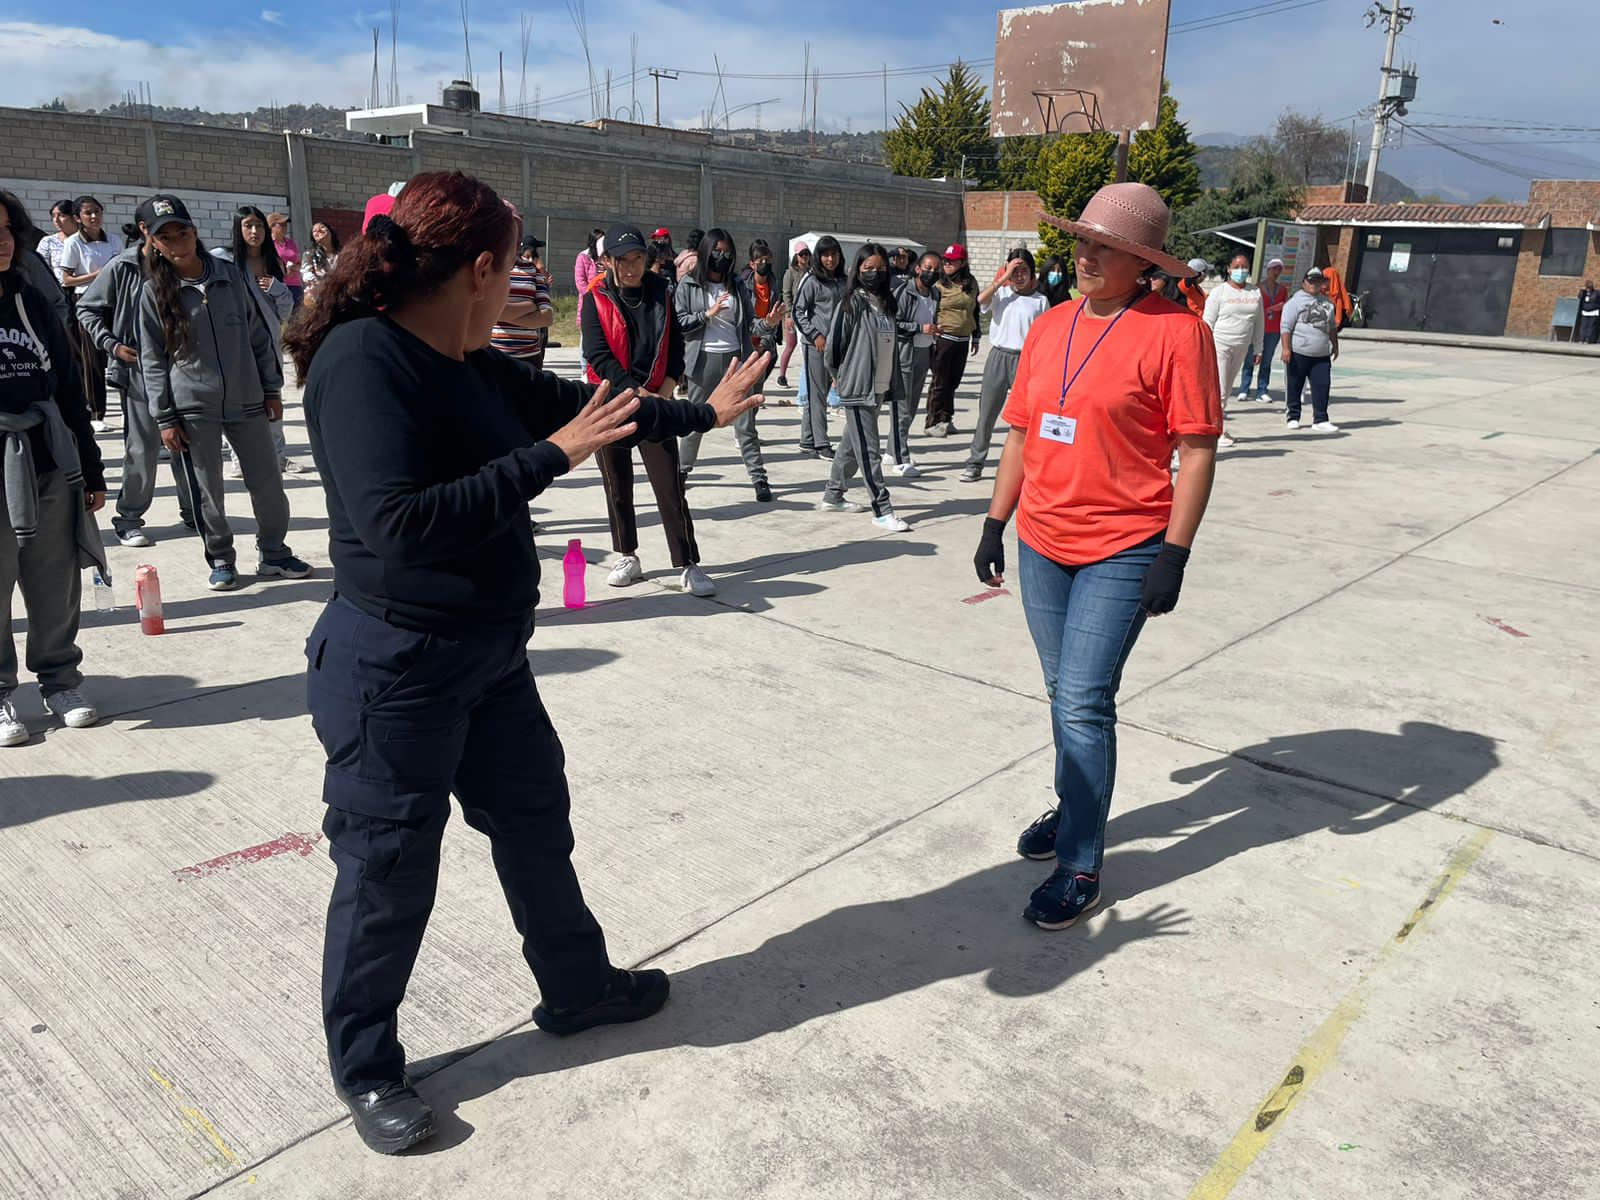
(661, 197)
(499, 167)
(808, 207)
(1334, 193)
(346, 174)
(1003, 211)
(41, 145)
(1572, 204)
(577, 185)
(212, 211)
(233, 160)
(744, 205)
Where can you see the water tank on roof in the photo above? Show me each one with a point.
(461, 96)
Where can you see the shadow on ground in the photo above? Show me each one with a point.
(39, 797)
(863, 953)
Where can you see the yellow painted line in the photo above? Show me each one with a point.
(195, 1121)
(1322, 1047)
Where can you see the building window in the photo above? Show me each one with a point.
(1565, 251)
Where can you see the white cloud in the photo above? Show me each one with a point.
(272, 16)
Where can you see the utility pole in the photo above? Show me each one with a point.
(658, 75)
(1396, 16)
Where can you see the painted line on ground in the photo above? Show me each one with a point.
(989, 595)
(1504, 628)
(197, 1123)
(289, 843)
(1319, 1051)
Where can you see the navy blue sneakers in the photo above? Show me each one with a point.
(287, 567)
(1038, 841)
(1059, 901)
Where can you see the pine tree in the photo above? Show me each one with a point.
(1020, 163)
(1165, 158)
(945, 132)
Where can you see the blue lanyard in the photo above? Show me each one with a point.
(1066, 361)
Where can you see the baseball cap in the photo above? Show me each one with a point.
(663, 232)
(380, 205)
(1199, 266)
(955, 252)
(1315, 273)
(276, 218)
(1274, 262)
(624, 239)
(162, 210)
(530, 242)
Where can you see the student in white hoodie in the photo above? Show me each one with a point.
(1238, 326)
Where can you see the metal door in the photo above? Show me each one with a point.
(1437, 280)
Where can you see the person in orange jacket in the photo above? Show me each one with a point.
(1339, 294)
(1193, 294)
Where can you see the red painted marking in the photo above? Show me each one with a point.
(989, 595)
(1282, 492)
(290, 843)
(1504, 628)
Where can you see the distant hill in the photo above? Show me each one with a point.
(1216, 164)
(318, 119)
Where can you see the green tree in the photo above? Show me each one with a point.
(945, 131)
(1020, 163)
(1260, 185)
(1165, 158)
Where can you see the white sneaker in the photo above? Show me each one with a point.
(293, 467)
(906, 470)
(891, 522)
(100, 426)
(626, 571)
(1291, 422)
(138, 539)
(230, 468)
(71, 707)
(826, 505)
(1225, 441)
(1263, 397)
(1243, 398)
(1325, 427)
(12, 731)
(696, 582)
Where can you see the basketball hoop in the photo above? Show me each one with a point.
(1062, 105)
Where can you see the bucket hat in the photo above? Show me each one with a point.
(1128, 216)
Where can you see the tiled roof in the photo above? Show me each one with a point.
(1518, 216)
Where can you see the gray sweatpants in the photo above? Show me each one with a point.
(263, 479)
(814, 420)
(52, 588)
(999, 373)
(860, 448)
(907, 395)
(141, 455)
(708, 372)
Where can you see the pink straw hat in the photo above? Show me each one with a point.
(1131, 217)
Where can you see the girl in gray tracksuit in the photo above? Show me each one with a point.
(108, 310)
(863, 361)
(814, 303)
(916, 313)
(211, 369)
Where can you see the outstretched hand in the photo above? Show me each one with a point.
(605, 419)
(732, 398)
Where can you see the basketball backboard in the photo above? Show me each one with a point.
(1079, 67)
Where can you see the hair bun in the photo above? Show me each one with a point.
(398, 249)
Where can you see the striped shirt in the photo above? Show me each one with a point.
(527, 284)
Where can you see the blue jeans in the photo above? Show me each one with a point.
(1084, 621)
(1263, 369)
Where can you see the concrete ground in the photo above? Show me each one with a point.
(1351, 948)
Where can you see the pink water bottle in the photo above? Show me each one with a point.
(573, 564)
(147, 598)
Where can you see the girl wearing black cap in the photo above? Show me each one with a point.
(431, 444)
(632, 340)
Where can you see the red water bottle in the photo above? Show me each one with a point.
(573, 565)
(147, 599)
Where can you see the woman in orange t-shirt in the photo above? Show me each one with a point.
(1106, 386)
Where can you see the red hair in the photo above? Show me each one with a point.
(441, 222)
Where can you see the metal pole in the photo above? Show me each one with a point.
(657, 77)
(1380, 117)
(1124, 140)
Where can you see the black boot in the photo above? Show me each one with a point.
(391, 1118)
(630, 996)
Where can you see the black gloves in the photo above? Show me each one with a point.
(973, 353)
(990, 559)
(1164, 579)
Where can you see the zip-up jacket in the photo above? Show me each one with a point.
(231, 368)
(814, 302)
(276, 303)
(108, 310)
(610, 330)
(689, 304)
(852, 350)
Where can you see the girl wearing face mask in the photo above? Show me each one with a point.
(916, 315)
(1013, 303)
(1055, 279)
(815, 301)
(253, 251)
(84, 255)
(717, 312)
(1238, 324)
(957, 341)
(862, 363)
(799, 267)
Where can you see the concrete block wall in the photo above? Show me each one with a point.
(1572, 204)
(93, 150)
(344, 175)
(232, 160)
(212, 211)
(664, 197)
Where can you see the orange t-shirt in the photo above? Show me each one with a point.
(1193, 295)
(1153, 378)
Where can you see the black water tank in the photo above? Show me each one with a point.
(461, 96)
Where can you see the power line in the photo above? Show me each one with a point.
(1235, 15)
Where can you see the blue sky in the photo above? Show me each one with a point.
(1489, 61)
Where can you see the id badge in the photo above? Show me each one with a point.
(1058, 429)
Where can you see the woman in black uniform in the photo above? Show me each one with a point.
(430, 446)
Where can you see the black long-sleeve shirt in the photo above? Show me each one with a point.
(38, 366)
(644, 311)
(429, 463)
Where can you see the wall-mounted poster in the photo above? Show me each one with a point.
(1295, 244)
(1400, 257)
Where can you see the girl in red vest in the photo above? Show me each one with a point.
(632, 340)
